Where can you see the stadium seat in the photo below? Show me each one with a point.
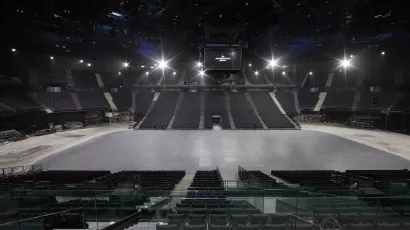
(358, 227)
(239, 219)
(279, 218)
(248, 227)
(304, 226)
(195, 219)
(388, 226)
(175, 218)
(10, 227)
(220, 227)
(167, 227)
(260, 219)
(194, 227)
(218, 219)
(276, 227)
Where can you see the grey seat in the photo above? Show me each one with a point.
(219, 211)
(261, 219)
(218, 219)
(196, 219)
(358, 227)
(194, 227)
(387, 226)
(367, 218)
(239, 219)
(175, 218)
(304, 226)
(347, 218)
(167, 227)
(278, 218)
(183, 205)
(183, 210)
(10, 227)
(199, 210)
(248, 227)
(220, 227)
(276, 227)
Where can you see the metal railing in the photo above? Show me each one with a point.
(20, 170)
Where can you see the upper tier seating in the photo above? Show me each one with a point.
(56, 76)
(57, 101)
(242, 112)
(318, 79)
(84, 79)
(21, 102)
(162, 112)
(377, 101)
(111, 79)
(308, 100)
(269, 112)
(287, 101)
(339, 100)
(123, 100)
(256, 79)
(189, 112)
(215, 104)
(93, 100)
(143, 100)
(59, 176)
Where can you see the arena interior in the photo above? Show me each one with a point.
(205, 115)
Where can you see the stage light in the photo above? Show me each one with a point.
(310, 73)
(81, 61)
(284, 66)
(151, 67)
(383, 53)
(13, 50)
(346, 63)
(273, 63)
(162, 64)
(51, 57)
(256, 73)
(89, 64)
(199, 64)
(125, 64)
(174, 73)
(143, 66)
(250, 65)
(146, 73)
(283, 72)
(351, 56)
(201, 73)
(119, 73)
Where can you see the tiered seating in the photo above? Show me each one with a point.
(84, 79)
(123, 100)
(162, 112)
(403, 174)
(307, 100)
(59, 176)
(57, 101)
(143, 100)
(256, 79)
(189, 112)
(53, 76)
(21, 102)
(269, 112)
(403, 104)
(242, 113)
(317, 80)
(309, 178)
(111, 79)
(207, 179)
(5, 111)
(377, 101)
(264, 180)
(339, 100)
(93, 100)
(146, 179)
(215, 104)
(287, 101)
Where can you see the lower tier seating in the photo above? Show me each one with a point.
(21, 102)
(287, 101)
(189, 112)
(93, 101)
(57, 101)
(242, 112)
(162, 111)
(215, 105)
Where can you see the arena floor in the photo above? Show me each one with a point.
(193, 150)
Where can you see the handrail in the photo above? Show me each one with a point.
(36, 217)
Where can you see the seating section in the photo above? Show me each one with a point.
(189, 112)
(311, 178)
(308, 100)
(256, 79)
(5, 111)
(377, 101)
(242, 112)
(318, 79)
(59, 176)
(339, 100)
(52, 76)
(165, 180)
(143, 100)
(403, 104)
(287, 101)
(84, 79)
(269, 112)
(111, 79)
(215, 104)
(162, 111)
(263, 180)
(57, 101)
(21, 102)
(123, 100)
(93, 101)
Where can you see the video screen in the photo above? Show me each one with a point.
(223, 58)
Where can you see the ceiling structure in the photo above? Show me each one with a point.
(141, 27)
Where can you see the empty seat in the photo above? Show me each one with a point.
(183, 205)
(182, 210)
(387, 226)
(198, 205)
(199, 211)
(358, 227)
(212, 205)
(196, 218)
(345, 218)
(175, 218)
(367, 218)
(217, 219)
(279, 218)
(194, 227)
(304, 226)
(236, 210)
(167, 227)
(239, 219)
(261, 219)
(248, 227)
(219, 211)
(10, 227)
(276, 227)
(220, 227)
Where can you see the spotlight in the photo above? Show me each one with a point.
(81, 61)
(383, 53)
(310, 73)
(351, 56)
(162, 64)
(249, 64)
(89, 64)
(125, 64)
(273, 63)
(199, 64)
(151, 67)
(256, 73)
(143, 66)
(146, 73)
(13, 50)
(201, 73)
(284, 66)
(346, 63)
(283, 73)
(119, 73)
(174, 73)
(51, 57)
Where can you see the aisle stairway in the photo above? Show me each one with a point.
(180, 189)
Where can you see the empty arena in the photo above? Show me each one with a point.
(204, 115)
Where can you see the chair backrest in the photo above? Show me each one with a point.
(248, 227)
(195, 227)
(359, 227)
(276, 227)
(388, 226)
(199, 210)
(167, 227)
(304, 226)
(220, 227)
(259, 218)
(279, 218)
(239, 218)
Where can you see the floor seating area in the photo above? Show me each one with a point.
(21, 102)
(339, 100)
(189, 112)
(215, 104)
(162, 112)
(269, 112)
(93, 101)
(242, 112)
(84, 79)
(287, 101)
(57, 101)
(55, 76)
